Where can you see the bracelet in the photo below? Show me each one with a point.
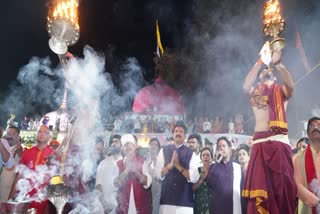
(259, 61)
(181, 170)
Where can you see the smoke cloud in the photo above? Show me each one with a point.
(33, 179)
(224, 40)
(93, 97)
(38, 87)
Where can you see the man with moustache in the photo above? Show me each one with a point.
(224, 180)
(107, 172)
(177, 167)
(307, 171)
(195, 143)
(269, 184)
(133, 180)
(33, 158)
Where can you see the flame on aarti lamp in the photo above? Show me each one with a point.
(273, 22)
(65, 9)
(272, 12)
(143, 140)
(63, 25)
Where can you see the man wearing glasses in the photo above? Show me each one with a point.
(307, 171)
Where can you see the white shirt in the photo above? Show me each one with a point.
(10, 162)
(106, 173)
(7, 177)
(194, 176)
(197, 157)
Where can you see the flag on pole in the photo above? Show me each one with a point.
(302, 52)
(159, 45)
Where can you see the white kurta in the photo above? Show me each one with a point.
(106, 173)
(6, 179)
(236, 188)
(10, 162)
(198, 158)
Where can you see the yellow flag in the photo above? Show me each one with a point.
(159, 45)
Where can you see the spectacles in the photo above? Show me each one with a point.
(314, 125)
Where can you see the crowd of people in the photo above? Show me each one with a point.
(185, 176)
(154, 124)
(165, 124)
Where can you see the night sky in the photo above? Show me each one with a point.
(218, 41)
(127, 26)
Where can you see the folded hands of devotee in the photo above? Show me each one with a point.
(130, 165)
(175, 159)
(204, 173)
(17, 150)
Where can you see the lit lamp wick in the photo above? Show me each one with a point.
(63, 25)
(273, 24)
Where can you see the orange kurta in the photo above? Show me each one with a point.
(32, 158)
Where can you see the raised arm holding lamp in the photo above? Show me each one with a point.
(271, 159)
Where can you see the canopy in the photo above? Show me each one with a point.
(158, 98)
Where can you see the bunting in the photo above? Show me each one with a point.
(302, 52)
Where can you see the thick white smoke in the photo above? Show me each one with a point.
(225, 39)
(37, 86)
(93, 97)
(33, 179)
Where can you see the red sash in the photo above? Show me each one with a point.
(310, 170)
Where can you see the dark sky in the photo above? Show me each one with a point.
(126, 25)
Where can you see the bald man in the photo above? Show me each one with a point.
(32, 158)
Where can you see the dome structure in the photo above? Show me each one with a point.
(159, 98)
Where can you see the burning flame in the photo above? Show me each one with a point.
(65, 9)
(143, 140)
(272, 12)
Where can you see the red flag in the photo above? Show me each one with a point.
(301, 52)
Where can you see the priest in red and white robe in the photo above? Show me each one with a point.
(134, 180)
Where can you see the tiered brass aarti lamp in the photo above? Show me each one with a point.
(63, 25)
(274, 24)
